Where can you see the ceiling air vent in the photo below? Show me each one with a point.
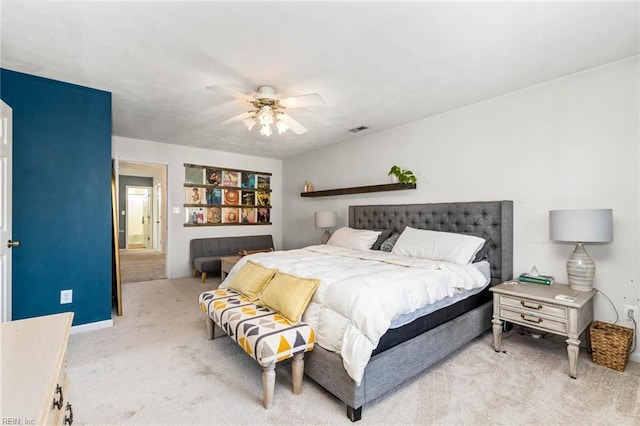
(358, 129)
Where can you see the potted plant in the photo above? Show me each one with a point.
(402, 175)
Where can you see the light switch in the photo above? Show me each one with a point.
(176, 210)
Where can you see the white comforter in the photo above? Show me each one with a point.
(361, 292)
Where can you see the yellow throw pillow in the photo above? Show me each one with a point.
(251, 279)
(289, 295)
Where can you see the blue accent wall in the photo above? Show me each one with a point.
(61, 196)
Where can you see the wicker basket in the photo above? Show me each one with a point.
(610, 344)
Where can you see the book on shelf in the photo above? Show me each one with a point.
(536, 279)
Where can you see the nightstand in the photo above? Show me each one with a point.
(535, 306)
(226, 264)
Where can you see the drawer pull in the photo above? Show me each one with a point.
(58, 404)
(529, 306)
(68, 419)
(537, 321)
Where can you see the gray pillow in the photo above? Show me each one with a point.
(387, 245)
(384, 234)
(483, 253)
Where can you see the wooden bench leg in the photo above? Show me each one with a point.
(297, 372)
(195, 273)
(203, 277)
(268, 384)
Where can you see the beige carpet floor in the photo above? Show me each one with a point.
(156, 367)
(139, 265)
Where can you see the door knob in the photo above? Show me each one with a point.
(13, 243)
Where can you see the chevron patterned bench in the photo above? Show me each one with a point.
(262, 333)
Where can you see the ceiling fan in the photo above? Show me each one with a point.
(268, 109)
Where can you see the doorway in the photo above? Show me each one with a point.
(142, 219)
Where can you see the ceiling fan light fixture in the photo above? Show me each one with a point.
(265, 130)
(265, 115)
(249, 122)
(267, 109)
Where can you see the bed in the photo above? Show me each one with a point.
(388, 369)
(397, 354)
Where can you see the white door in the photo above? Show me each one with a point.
(6, 140)
(158, 244)
(146, 218)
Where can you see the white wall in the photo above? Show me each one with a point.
(567, 143)
(175, 156)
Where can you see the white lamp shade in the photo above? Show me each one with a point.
(325, 219)
(581, 225)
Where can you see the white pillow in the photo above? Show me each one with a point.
(358, 239)
(435, 245)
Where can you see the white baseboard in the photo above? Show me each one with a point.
(91, 326)
(635, 357)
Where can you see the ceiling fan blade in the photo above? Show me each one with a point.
(295, 127)
(233, 93)
(302, 101)
(238, 117)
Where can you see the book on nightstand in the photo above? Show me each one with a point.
(536, 279)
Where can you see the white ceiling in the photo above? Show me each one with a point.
(378, 64)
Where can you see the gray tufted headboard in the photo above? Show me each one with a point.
(491, 220)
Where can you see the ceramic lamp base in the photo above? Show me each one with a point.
(326, 236)
(581, 269)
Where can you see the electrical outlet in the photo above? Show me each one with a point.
(635, 313)
(66, 296)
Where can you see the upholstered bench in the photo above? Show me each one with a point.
(205, 253)
(261, 332)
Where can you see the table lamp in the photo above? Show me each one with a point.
(581, 226)
(325, 220)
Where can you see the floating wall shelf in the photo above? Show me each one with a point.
(360, 190)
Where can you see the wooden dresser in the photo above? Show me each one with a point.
(34, 371)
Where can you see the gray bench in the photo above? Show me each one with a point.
(205, 253)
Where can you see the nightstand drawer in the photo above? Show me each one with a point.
(535, 320)
(534, 306)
